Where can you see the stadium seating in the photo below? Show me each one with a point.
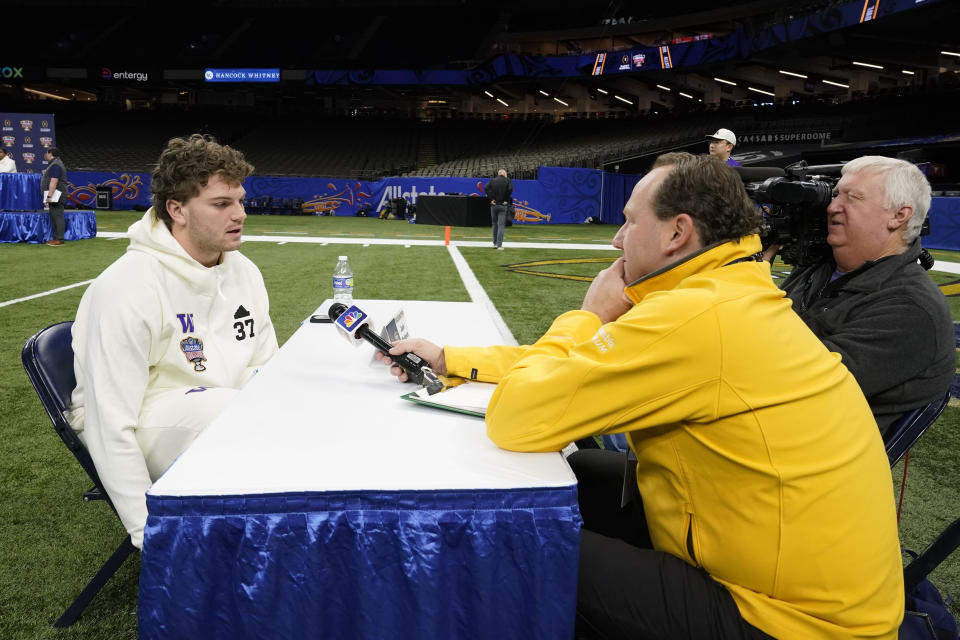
(132, 141)
(478, 144)
(365, 148)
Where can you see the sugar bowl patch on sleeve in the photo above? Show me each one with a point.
(191, 347)
(193, 351)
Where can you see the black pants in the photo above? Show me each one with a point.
(56, 221)
(628, 590)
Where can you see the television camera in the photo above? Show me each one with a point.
(794, 203)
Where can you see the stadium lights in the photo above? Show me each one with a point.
(791, 73)
(660, 86)
(488, 94)
(764, 92)
(502, 102)
(907, 72)
(561, 102)
(542, 92)
(729, 82)
(836, 84)
(45, 94)
(685, 95)
(622, 99)
(868, 65)
(603, 91)
(950, 53)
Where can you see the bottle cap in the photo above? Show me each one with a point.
(343, 257)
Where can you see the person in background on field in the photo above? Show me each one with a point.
(54, 186)
(499, 190)
(721, 145)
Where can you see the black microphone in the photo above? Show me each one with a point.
(353, 327)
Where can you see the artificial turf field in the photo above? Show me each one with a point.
(51, 542)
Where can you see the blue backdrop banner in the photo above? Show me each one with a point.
(128, 188)
(944, 225)
(617, 188)
(559, 195)
(25, 136)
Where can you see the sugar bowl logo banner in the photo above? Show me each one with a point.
(25, 137)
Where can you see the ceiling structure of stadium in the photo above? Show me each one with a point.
(298, 36)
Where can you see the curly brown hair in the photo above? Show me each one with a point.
(185, 167)
(711, 193)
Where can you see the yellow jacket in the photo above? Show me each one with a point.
(758, 458)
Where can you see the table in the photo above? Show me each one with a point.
(20, 192)
(322, 505)
(455, 211)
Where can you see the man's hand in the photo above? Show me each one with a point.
(430, 352)
(606, 297)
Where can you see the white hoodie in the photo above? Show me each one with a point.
(141, 329)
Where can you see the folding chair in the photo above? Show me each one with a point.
(905, 432)
(48, 360)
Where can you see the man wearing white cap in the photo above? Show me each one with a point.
(721, 144)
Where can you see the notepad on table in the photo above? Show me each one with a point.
(470, 398)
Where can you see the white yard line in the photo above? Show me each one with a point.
(476, 291)
(478, 294)
(46, 293)
(402, 242)
(946, 267)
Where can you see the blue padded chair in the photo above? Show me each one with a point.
(48, 360)
(905, 432)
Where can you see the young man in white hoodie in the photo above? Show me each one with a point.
(168, 333)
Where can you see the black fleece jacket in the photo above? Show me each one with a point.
(890, 324)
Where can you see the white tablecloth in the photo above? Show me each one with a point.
(294, 494)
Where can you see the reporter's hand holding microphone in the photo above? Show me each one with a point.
(430, 352)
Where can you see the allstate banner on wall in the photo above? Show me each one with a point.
(25, 136)
(559, 195)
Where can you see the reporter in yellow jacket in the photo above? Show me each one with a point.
(765, 487)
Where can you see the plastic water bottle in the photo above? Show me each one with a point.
(343, 281)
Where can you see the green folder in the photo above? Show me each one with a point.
(469, 398)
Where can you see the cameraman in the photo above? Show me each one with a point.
(872, 303)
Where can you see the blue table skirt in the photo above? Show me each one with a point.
(355, 565)
(20, 192)
(36, 227)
